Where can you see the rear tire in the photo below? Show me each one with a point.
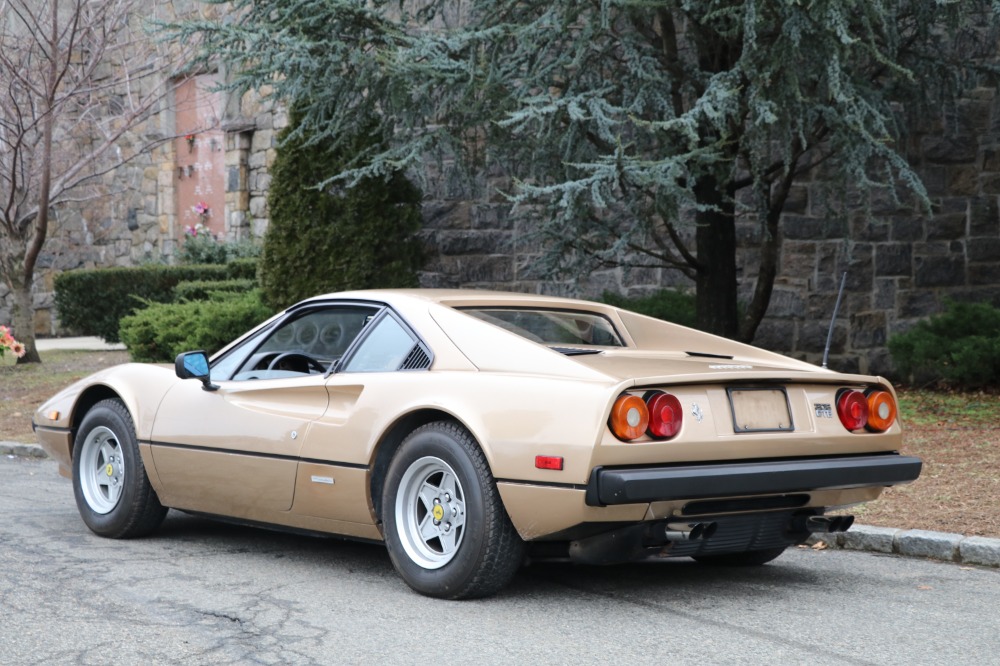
(750, 558)
(446, 529)
(113, 493)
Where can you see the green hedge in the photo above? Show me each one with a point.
(959, 347)
(667, 304)
(161, 331)
(93, 301)
(203, 290)
(243, 268)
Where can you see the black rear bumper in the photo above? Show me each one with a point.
(683, 482)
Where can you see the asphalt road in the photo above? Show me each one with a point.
(202, 592)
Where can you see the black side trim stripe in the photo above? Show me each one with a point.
(52, 429)
(546, 484)
(255, 454)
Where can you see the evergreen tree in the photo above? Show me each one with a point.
(645, 128)
(327, 238)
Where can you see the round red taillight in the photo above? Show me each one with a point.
(881, 411)
(629, 417)
(852, 408)
(665, 415)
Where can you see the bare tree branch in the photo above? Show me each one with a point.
(77, 86)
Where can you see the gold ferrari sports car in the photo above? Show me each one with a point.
(468, 430)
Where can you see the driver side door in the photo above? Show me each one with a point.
(234, 451)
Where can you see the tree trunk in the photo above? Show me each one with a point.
(22, 318)
(715, 240)
(770, 244)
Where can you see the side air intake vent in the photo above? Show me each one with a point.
(417, 359)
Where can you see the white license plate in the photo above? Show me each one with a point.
(760, 410)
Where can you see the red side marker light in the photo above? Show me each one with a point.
(549, 462)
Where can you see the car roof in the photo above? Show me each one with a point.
(461, 297)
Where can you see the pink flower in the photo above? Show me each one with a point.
(7, 341)
(201, 208)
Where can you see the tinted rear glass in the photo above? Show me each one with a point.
(552, 327)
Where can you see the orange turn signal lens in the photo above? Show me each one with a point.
(881, 411)
(629, 417)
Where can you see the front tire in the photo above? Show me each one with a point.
(113, 493)
(446, 529)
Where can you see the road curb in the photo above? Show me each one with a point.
(981, 551)
(22, 450)
(944, 546)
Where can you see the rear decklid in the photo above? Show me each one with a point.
(671, 367)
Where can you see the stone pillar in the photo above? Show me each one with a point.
(238, 141)
(167, 199)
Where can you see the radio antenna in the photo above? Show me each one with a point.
(833, 320)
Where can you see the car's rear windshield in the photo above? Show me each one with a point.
(552, 327)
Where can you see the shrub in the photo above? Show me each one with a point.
(667, 304)
(203, 290)
(200, 247)
(321, 240)
(93, 301)
(959, 347)
(161, 331)
(242, 268)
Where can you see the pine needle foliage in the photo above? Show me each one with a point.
(330, 238)
(635, 132)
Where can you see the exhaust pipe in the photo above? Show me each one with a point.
(829, 523)
(845, 523)
(689, 531)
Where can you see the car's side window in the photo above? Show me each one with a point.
(224, 367)
(384, 349)
(306, 344)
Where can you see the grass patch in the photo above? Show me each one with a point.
(24, 387)
(922, 408)
(957, 435)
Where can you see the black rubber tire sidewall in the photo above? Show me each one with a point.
(138, 510)
(483, 562)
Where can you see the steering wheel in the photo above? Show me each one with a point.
(296, 358)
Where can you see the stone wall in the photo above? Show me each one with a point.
(901, 264)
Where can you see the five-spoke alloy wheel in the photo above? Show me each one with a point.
(430, 512)
(445, 526)
(102, 470)
(112, 491)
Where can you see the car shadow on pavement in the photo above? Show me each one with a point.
(673, 576)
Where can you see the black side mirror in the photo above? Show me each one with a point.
(194, 365)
